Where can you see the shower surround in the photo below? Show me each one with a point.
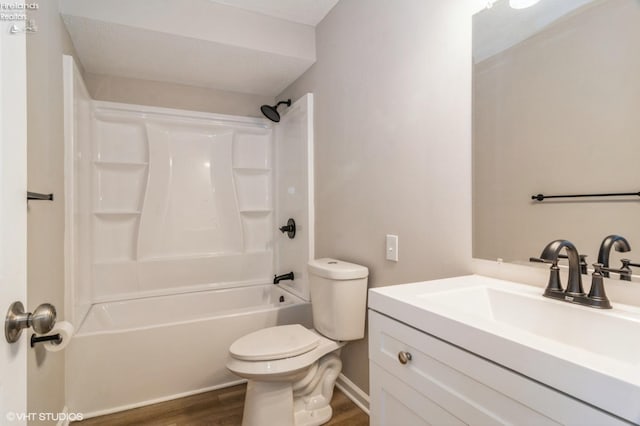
(163, 203)
(181, 202)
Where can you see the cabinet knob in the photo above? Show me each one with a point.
(404, 357)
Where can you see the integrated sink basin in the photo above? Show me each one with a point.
(590, 354)
(523, 309)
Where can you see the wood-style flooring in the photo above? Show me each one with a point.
(215, 408)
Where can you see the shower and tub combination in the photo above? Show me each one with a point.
(173, 239)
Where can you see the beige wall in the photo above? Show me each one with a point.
(558, 114)
(45, 226)
(171, 95)
(392, 86)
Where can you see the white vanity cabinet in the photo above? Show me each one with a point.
(442, 384)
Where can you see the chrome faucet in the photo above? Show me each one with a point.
(615, 241)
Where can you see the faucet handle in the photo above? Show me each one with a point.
(597, 297)
(597, 268)
(554, 285)
(626, 276)
(624, 272)
(627, 262)
(621, 271)
(540, 260)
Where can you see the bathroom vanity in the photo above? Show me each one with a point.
(478, 350)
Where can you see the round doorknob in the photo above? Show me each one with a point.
(404, 357)
(42, 319)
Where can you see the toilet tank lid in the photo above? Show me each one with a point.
(334, 269)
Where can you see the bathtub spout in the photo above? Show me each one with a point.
(278, 278)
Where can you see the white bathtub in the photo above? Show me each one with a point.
(136, 352)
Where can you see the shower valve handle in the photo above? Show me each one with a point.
(289, 228)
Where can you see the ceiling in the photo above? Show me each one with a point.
(248, 46)
(308, 12)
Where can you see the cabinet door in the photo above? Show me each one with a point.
(393, 403)
(443, 380)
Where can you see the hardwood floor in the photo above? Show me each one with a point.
(215, 408)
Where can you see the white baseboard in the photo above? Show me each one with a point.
(353, 392)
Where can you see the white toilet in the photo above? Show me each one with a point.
(292, 369)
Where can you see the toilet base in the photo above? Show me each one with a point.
(305, 402)
(268, 403)
(314, 417)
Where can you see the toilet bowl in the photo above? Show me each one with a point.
(287, 389)
(292, 370)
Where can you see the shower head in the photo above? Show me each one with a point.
(271, 112)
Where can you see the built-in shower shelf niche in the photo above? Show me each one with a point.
(116, 212)
(179, 200)
(120, 164)
(252, 167)
(251, 170)
(256, 212)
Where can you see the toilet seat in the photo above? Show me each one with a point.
(271, 369)
(273, 343)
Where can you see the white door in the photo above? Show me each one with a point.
(13, 217)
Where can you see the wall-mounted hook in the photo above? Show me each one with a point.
(289, 228)
(38, 196)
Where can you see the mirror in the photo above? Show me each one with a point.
(556, 111)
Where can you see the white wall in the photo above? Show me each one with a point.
(392, 85)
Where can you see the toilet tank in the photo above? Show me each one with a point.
(338, 298)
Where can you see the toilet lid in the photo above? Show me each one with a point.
(271, 343)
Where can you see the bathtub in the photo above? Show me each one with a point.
(137, 352)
